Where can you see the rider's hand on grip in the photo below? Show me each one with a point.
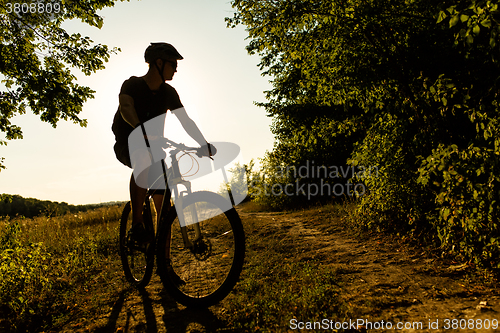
(207, 150)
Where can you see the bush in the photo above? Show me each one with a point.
(46, 264)
(308, 165)
(24, 280)
(395, 201)
(466, 185)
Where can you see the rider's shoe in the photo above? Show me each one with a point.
(140, 235)
(176, 279)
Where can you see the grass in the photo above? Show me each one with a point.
(282, 281)
(55, 271)
(47, 264)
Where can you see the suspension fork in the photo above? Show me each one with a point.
(194, 221)
(188, 243)
(179, 201)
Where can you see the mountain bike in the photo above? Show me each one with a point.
(204, 258)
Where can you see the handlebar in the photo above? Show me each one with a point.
(197, 150)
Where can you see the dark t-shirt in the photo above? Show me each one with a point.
(147, 104)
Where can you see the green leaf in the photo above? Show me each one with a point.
(454, 20)
(486, 23)
(442, 15)
(476, 30)
(446, 212)
(38, 74)
(492, 42)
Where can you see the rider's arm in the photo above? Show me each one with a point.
(189, 126)
(127, 110)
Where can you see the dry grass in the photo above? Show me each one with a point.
(49, 266)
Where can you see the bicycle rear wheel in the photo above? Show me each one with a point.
(205, 273)
(137, 259)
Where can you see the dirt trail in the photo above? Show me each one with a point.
(381, 279)
(395, 283)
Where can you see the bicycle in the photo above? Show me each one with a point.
(207, 248)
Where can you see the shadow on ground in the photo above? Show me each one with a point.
(152, 310)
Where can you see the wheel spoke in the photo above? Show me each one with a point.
(212, 266)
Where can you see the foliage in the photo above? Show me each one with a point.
(36, 54)
(16, 205)
(466, 184)
(46, 264)
(24, 272)
(465, 177)
(410, 87)
(308, 162)
(239, 182)
(395, 199)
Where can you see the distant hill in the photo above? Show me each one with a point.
(16, 205)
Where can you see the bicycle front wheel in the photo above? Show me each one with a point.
(137, 260)
(203, 271)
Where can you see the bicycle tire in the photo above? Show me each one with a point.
(137, 262)
(210, 274)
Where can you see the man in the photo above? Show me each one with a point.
(142, 99)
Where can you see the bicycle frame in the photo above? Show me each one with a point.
(199, 265)
(178, 197)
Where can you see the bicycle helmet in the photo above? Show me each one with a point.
(161, 51)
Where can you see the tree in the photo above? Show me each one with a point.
(338, 65)
(35, 57)
(408, 86)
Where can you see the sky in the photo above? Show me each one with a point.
(218, 83)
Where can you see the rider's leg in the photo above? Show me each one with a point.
(140, 161)
(137, 197)
(158, 199)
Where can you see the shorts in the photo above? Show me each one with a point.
(123, 155)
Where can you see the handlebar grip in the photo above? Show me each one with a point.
(212, 149)
(202, 151)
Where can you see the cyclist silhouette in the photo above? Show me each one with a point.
(140, 100)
